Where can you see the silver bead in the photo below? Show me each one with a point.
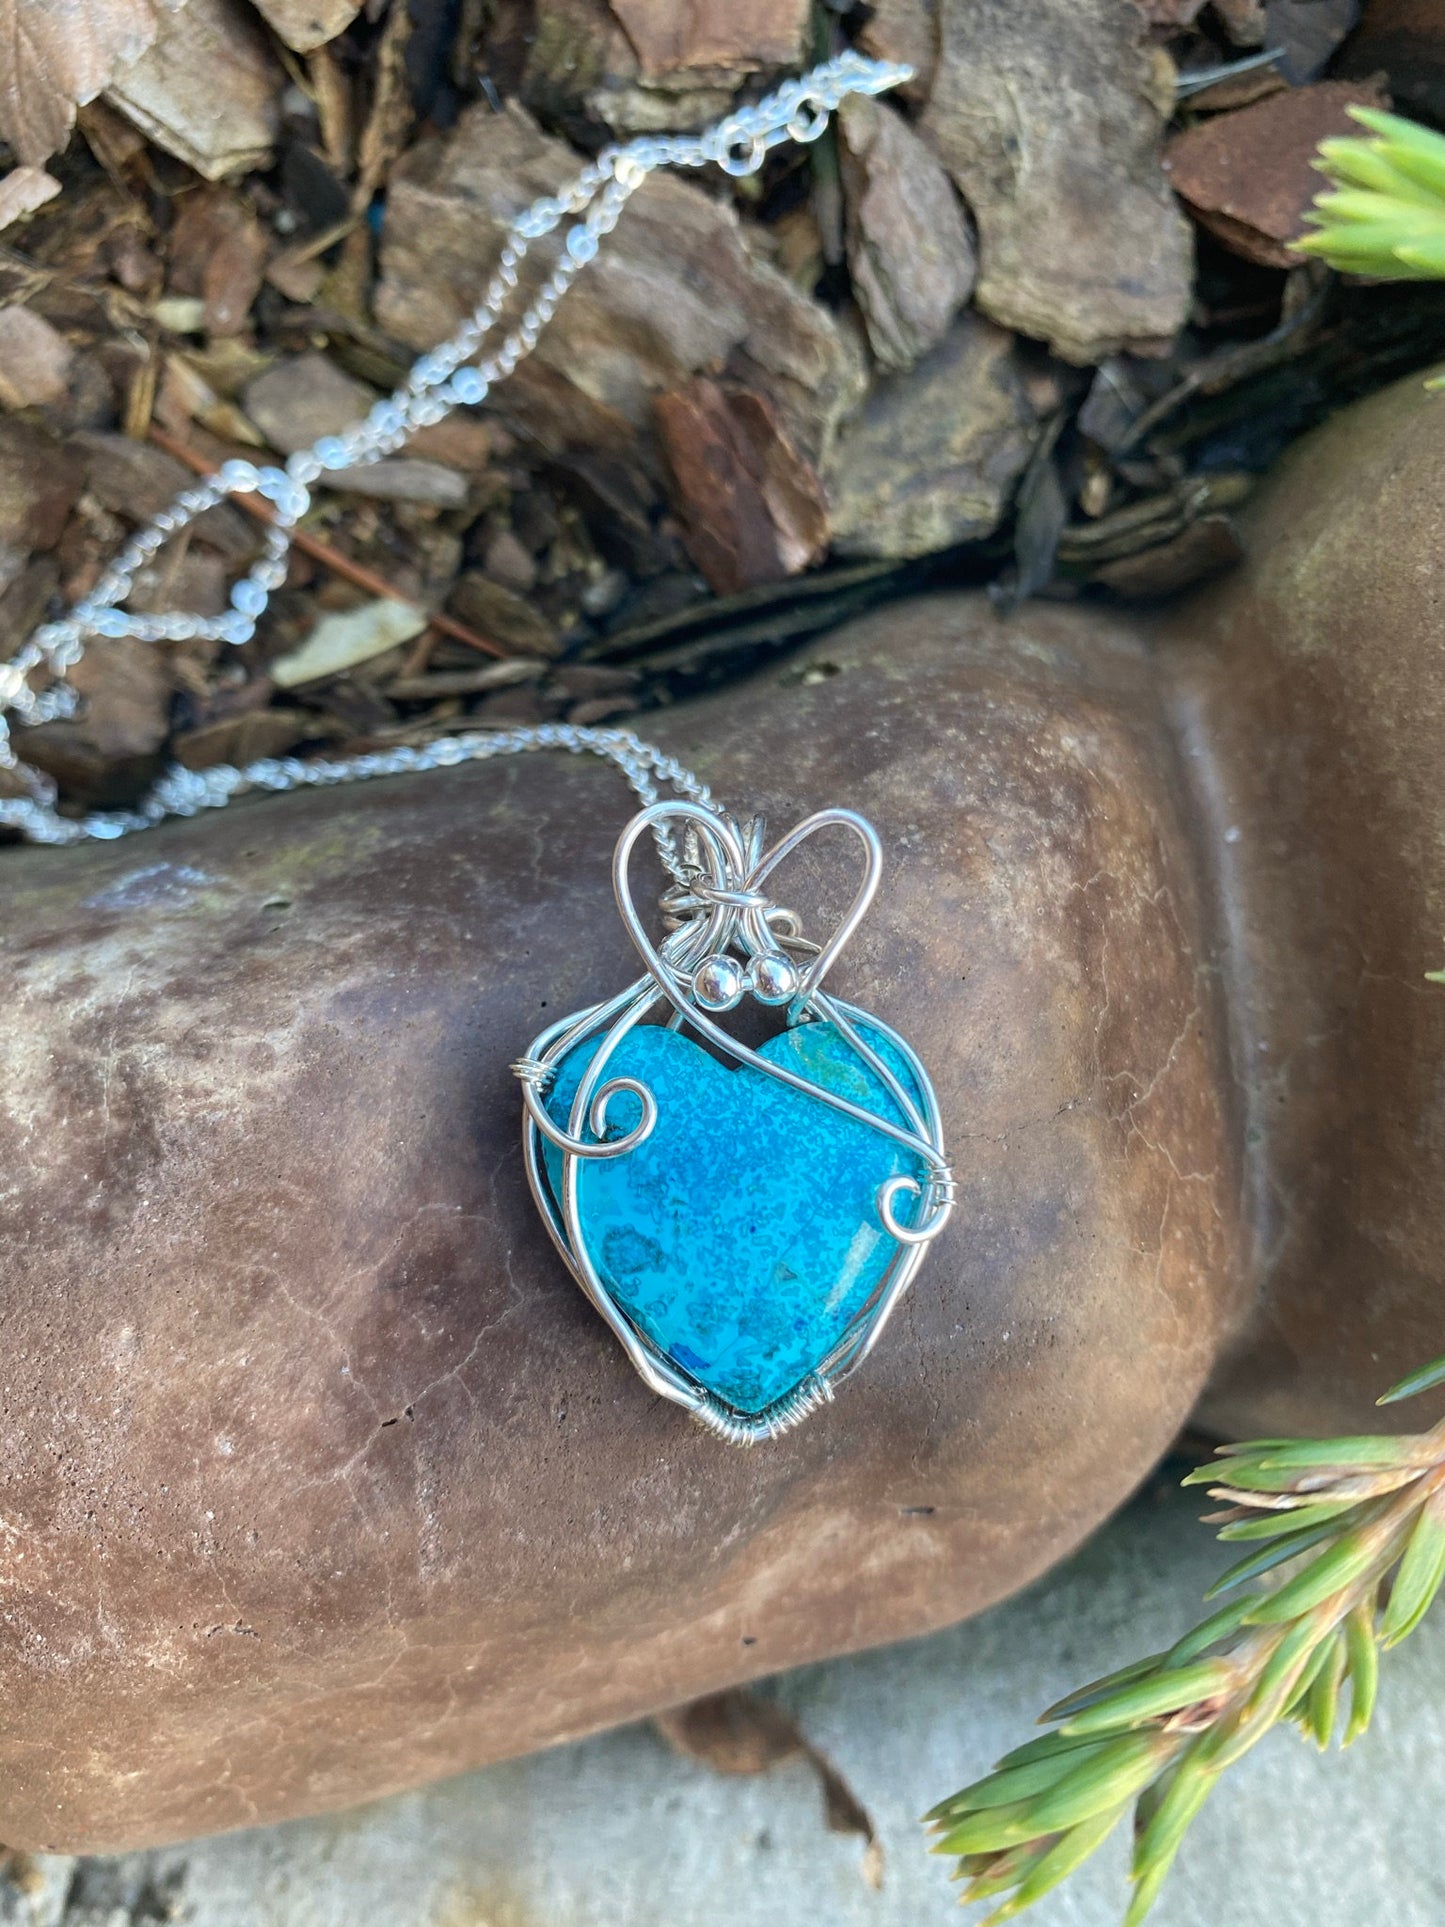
(773, 978)
(718, 984)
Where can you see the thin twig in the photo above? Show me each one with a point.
(323, 552)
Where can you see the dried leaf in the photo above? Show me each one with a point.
(740, 1732)
(732, 1732)
(60, 54)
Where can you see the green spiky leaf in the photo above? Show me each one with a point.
(1385, 215)
(1428, 1376)
(1418, 1579)
(1364, 1662)
(1146, 1699)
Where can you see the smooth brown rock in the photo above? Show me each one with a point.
(1049, 115)
(320, 1477)
(1309, 697)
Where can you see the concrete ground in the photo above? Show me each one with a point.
(620, 1832)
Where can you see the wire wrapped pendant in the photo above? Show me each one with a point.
(744, 1219)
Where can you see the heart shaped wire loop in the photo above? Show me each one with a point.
(725, 902)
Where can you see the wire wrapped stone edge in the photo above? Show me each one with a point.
(729, 938)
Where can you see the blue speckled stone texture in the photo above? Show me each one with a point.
(743, 1236)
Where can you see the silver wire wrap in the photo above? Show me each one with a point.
(444, 378)
(722, 906)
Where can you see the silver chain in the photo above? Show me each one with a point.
(445, 378)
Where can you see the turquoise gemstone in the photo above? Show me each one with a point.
(743, 1235)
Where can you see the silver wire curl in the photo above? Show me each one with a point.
(718, 904)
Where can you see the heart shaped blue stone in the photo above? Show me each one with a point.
(743, 1235)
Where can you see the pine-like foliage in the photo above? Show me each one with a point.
(1345, 1551)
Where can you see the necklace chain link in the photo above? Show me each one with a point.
(444, 378)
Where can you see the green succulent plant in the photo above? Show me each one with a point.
(1345, 1552)
(1384, 215)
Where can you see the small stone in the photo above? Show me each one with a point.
(39, 483)
(910, 252)
(308, 24)
(340, 642)
(933, 456)
(303, 398)
(905, 31)
(502, 615)
(753, 508)
(1249, 176)
(1049, 114)
(402, 479)
(34, 359)
(510, 563)
(171, 92)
